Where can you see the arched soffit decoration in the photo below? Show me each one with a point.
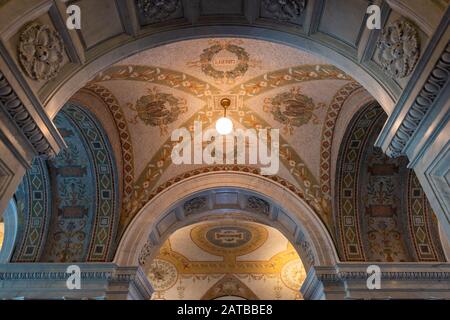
(381, 211)
(84, 178)
(33, 199)
(69, 204)
(211, 192)
(9, 219)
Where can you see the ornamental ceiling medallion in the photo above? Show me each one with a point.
(158, 109)
(293, 274)
(40, 51)
(229, 239)
(162, 274)
(292, 109)
(224, 61)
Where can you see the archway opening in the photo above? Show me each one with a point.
(8, 231)
(223, 258)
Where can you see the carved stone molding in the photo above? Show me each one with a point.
(284, 10)
(194, 205)
(157, 10)
(40, 51)
(48, 281)
(435, 83)
(399, 48)
(145, 252)
(258, 205)
(306, 246)
(12, 105)
(398, 281)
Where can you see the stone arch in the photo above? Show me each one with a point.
(244, 194)
(10, 220)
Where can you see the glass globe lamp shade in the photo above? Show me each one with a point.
(224, 126)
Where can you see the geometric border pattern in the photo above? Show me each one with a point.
(420, 220)
(328, 132)
(33, 201)
(125, 139)
(351, 151)
(104, 223)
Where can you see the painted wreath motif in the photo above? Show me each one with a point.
(40, 51)
(399, 48)
(208, 54)
(292, 109)
(158, 109)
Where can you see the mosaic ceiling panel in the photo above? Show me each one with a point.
(225, 258)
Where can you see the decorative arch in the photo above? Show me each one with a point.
(84, 185)
(381, 211)
(244, 195)
(33, 203)
(68, 205)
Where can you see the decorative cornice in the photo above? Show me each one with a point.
(433, 86)
(113, 274)
(19, 114)
(394, 275)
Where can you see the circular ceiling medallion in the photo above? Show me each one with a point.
(229, 239)
(293, 274)
(162, 274)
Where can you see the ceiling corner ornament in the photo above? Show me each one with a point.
(285, 10)
(435, 83)
(157, 10)
(23, 119)
(399, 48)
(40, 51)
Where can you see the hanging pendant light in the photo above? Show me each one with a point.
(224, 125)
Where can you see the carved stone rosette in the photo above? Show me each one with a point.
(285, 10)
(40, 51)
(399, 48)
(157, 10)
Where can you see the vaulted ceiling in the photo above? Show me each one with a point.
(222, 258)
(269, 85)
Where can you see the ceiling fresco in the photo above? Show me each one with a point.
(269, 85)
(222, 258)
